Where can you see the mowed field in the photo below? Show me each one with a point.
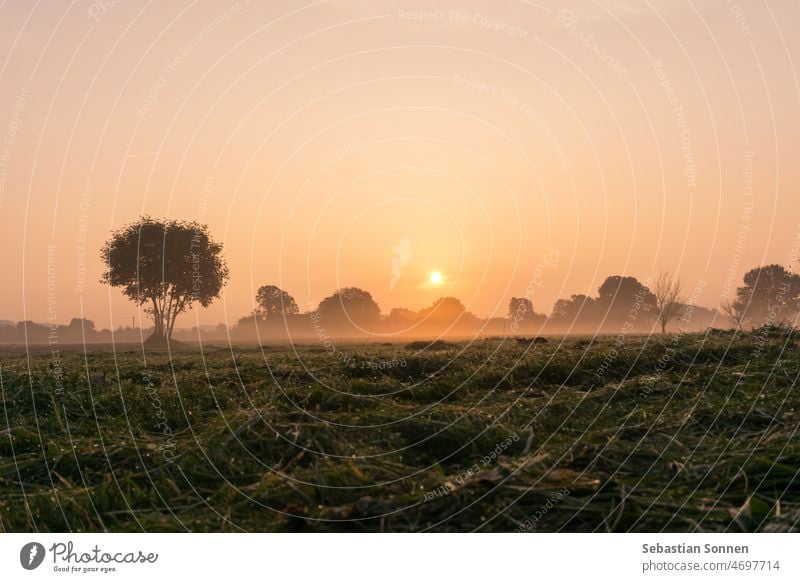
(683, 433)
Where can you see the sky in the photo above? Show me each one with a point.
(518, 148)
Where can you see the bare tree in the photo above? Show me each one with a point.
(667, 292)
(736, 311)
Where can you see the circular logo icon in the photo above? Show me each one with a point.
(31, 555)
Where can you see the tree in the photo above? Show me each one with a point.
(521, 314)
(666, 297)
(735, 311)
(400, 316)
(770, 294)
(621, 298)
(575, 311)
(444, 308)
(82, 324)
(349, 305)
(273, 301)
(519, 308)
(247, 320)
(167, 265)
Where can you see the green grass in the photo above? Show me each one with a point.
(691, 433)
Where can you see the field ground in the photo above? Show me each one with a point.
(683, 433)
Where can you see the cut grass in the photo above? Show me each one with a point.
(697, 433)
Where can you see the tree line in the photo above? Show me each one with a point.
(167, 266)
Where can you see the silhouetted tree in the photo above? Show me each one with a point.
(349, 305)
(401, 317)
(576, 310)
(78, 330)
(521, 313)
(519, 307)
(621, 297)
(769, 294)
(273, 301)
(166, 265)
(247, 320)
(446, 314)
(667, 299)
(444, 308)
(87, 325)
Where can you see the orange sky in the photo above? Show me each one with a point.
(516, 145)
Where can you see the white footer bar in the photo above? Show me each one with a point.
(401, 557)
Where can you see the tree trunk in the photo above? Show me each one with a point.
(158, 322)
(156, 319)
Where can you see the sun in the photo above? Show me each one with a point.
(435, 278)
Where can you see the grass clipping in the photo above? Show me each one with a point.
(691, 433)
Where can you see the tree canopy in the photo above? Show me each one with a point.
(166, 265)
(770, 294)
(619, 294)
(272, 301)
(349, 305)
(444, 309)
